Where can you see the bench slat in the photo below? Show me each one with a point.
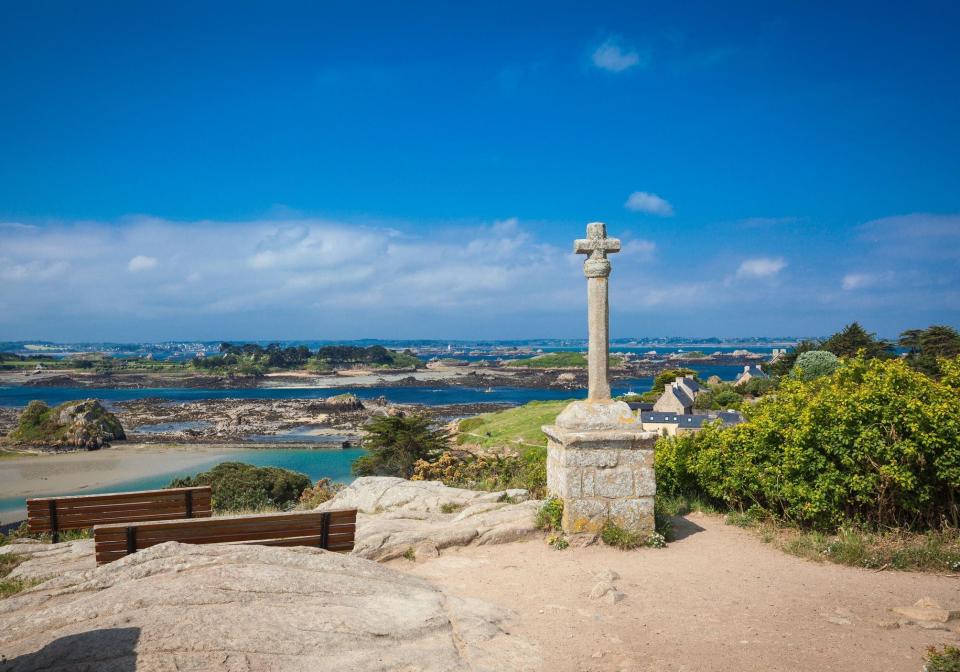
(73, 512)
(284, 529)
(40, 507)
(115, 496)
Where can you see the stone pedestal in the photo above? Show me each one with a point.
(600, 462)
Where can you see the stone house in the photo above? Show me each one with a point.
(750, 371)
(678, 397)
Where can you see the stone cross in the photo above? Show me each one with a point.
(597, 269)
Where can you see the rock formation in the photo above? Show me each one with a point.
(74, 424)
(420, 518)
(252, 608)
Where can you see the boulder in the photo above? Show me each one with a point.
(73, 424)
(252, 608)
(398, 517)
(377, 494)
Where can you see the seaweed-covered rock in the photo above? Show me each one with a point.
(337, 403)
(72, 424)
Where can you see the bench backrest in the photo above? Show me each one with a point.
(55, 514)
(332, 530)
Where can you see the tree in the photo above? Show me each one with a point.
(926, 346)
(815, 363)
(853, 338)
(719, 397)
(396, 443)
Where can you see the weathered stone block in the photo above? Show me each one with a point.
(644, 482)
(613, 483)
(633, 514)
(588, 481)
(584, 515)
(601, 457)
(635, 457)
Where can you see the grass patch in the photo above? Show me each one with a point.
(615, 536)
(513, 426)
(8, 586)
(681, 505)
(4, 454)
(932, 551)
(450, 507)
(410, 554)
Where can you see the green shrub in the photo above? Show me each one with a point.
(876, 443)
(558, 542)
(814, 364)
(946, 659)
(550, 515)
(528, 471)
(322, 491)
(236, 486)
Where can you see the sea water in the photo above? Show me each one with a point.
(317, 464)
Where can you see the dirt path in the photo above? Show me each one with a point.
(717, 599)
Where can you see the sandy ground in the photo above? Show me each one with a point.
(717, 599)
(40, 475)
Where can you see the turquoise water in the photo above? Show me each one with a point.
(333, 464)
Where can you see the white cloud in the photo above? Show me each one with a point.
(610, 56)
(641, 249)
(642, 201)
(141, 263)
(853, 281)
(761, 267)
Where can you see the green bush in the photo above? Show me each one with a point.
(876, 443)
(236, 486)
(550, 515)
(946, 659)
(814, 364)
(528, 471)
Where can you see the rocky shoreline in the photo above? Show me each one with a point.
(335, 422)
(471, 375)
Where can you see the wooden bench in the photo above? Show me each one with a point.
(331, 530)
(56, 514)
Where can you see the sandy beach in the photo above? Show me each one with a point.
(39, 475)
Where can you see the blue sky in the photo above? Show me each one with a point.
(295, 170)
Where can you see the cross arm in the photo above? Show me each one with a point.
(591, 245)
